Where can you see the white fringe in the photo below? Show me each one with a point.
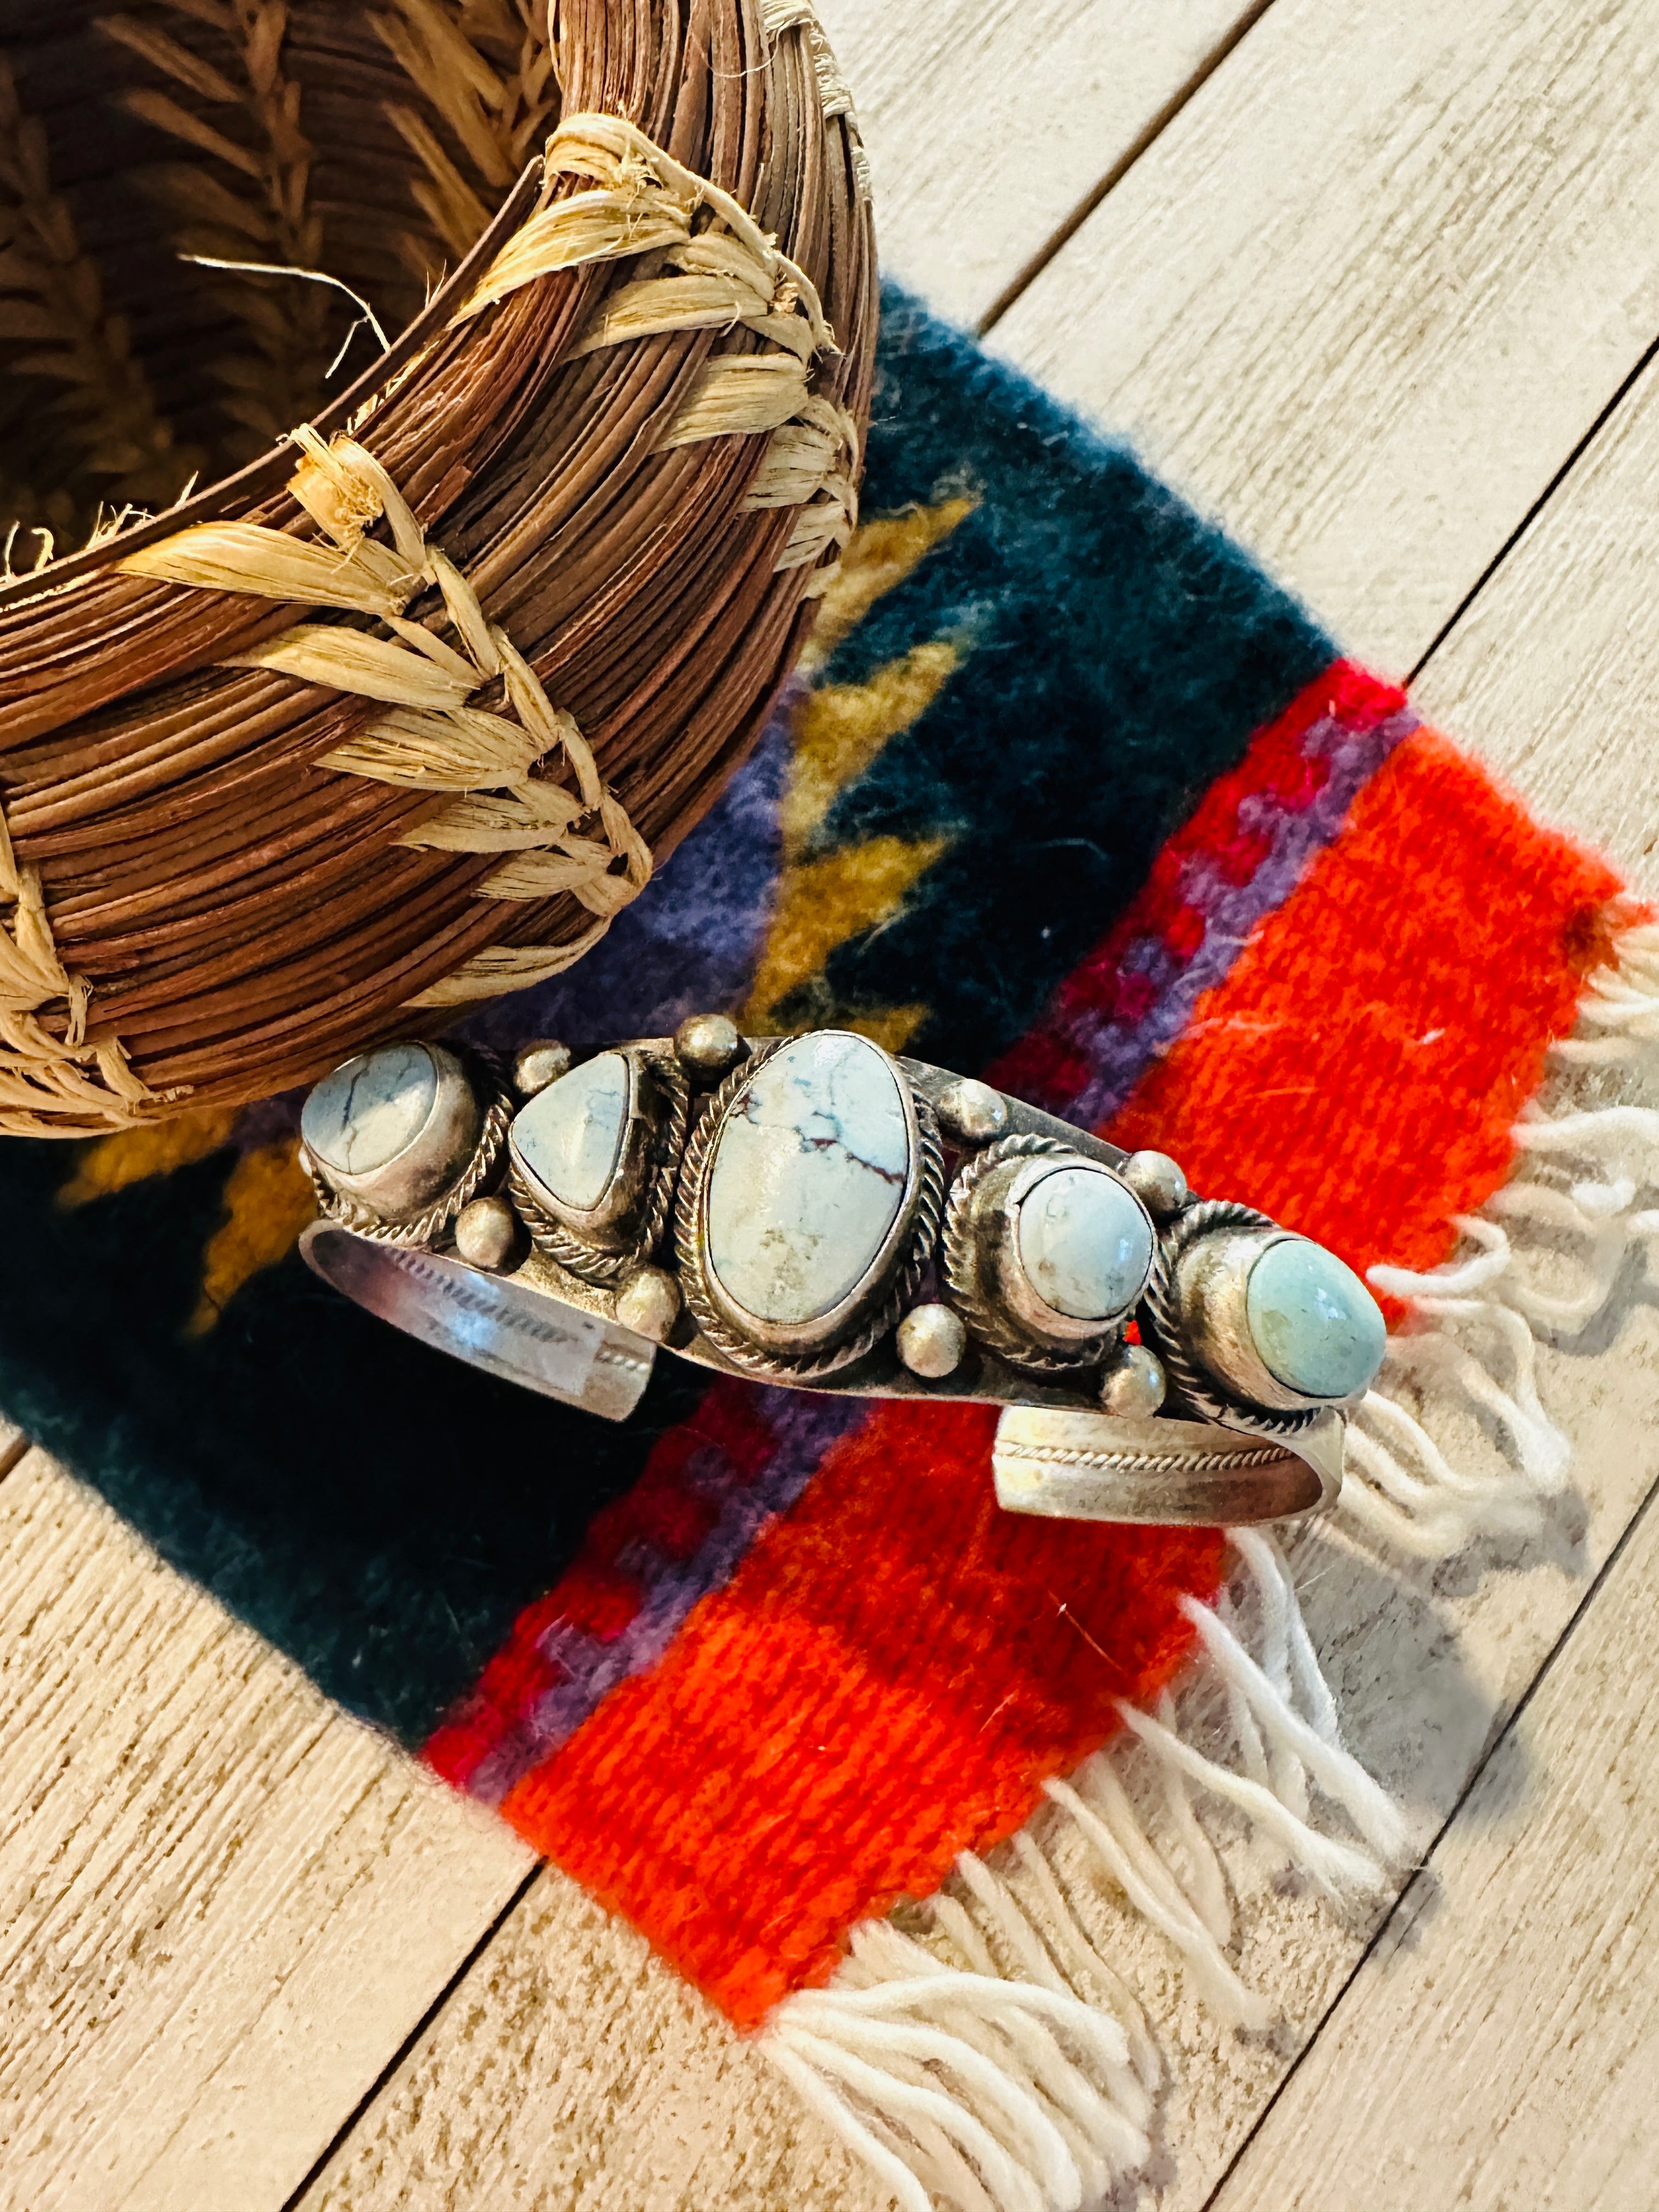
(1580, 1172)
(995, 2060)
(1622, 1004)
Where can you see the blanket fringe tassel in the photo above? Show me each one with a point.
(1580, 1173)
(990, 2056)
(986, 2055)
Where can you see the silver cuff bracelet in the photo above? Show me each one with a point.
(813, 1211)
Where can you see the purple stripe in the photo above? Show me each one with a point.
(1121, 1051)
(803, 1427)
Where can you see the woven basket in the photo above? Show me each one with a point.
(465, 633)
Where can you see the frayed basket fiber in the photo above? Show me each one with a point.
(470, 626)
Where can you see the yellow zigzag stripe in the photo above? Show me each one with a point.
(840, 730)
(880, 555)
(111, 1163)
(821, 903)
(268, 1201)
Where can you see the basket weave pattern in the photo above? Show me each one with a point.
(400, 713)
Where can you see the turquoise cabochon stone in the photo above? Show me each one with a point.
(360, 1118)
(1317, 1327)
(807, 1177)
(569, 1138)
(1085, 1244)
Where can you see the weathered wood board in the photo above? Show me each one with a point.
(573, 2069)
(989, 122)
(1487, 2054)
(223, 1904)
(1553, 675)
(1364, 295)
(1499, 2048)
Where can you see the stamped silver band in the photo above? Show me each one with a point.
(508, 1327)
(817, 1211)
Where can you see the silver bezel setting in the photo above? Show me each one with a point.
(1195, 1311)
(983, 1269)
(1212, 1285)
(873, 1308)
(604, 1244)
(480, 1073)
(551, 1318)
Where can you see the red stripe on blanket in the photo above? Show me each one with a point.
(1132, 995)
(598, 1596)
(1360, 1070)
(887, 1681)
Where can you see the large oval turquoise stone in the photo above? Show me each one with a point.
(569, 1138)
(1317, 1327)
(360, 1118)
(807, 1177)
(1084, 1243)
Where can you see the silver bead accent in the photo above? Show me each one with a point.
(485, 1233)
(1156, 1182)
(932, 1340)
(1134, 1385)
(971, 1113)
(707, 1046)
(538, 1063)
(649, 1303)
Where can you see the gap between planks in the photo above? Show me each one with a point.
(1065, 232)
(1562, 641)
(995, 127)
(221, 1899)
(1363, 295)
(440, 1998)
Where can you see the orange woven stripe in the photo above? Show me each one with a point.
(1358, 1073)
(886, 1681)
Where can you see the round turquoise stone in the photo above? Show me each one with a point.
(1317, 1327)
(1086, 1245)
(363, 1115)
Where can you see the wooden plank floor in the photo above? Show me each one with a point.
(1496, 2049)
(222, 1902)
(1374, 283)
